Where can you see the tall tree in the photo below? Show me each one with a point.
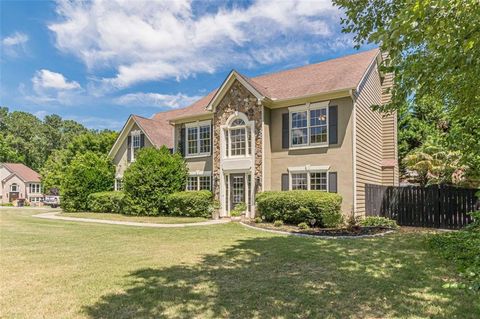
(434, 51)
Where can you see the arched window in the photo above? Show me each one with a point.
(238, 137)
(14, 187)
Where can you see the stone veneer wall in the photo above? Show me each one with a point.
(238, 99)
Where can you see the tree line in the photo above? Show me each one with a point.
(50, 145)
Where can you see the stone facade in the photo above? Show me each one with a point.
(237, 99)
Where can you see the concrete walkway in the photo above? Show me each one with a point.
(53, 215)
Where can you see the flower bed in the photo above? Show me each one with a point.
(325, 232)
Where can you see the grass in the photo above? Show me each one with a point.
(137, 219)
(58, 269)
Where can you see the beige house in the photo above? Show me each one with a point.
(306, 128)
(20, 182)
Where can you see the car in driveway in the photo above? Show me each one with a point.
(52, 201)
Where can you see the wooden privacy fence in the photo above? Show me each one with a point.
(433, 206)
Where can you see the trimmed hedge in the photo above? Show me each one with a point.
(295, 207)
(378, 221)
(191, 203)
(106, 202)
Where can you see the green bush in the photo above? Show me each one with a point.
(106, 202)
(377, 221)
(463, 249)
(147, 182)
(239, 209)
(303, 225)
(87, 173)
(475, 225)
(294, 207)
(191, 204)
(258, 220)
(278, 223)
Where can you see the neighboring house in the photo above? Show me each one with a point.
(306, 128)
(20, 182)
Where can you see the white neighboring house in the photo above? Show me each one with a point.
(20, 182)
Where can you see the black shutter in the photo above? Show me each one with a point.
(181, 142)
(333, 124)
(332, 182)
(285, 183)
(211, 138)
(142, 140)
(285, 130)
(129, 149)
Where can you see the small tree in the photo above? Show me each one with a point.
(87, 173)
(148, 181)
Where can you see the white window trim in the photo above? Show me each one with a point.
(116, 183)
(132, 149)
(199, 174)
(302, 108)
(249, 135)
(308, 169)
(197, 125)
(16, 188)
(36, 187)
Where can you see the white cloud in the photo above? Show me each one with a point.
(14, 43)
(49, 86)
(156, 100)
(155, 40)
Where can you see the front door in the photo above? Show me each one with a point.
(237, 189)
(13, 196)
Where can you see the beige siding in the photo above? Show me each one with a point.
(6, 188)
(120, 158)
(338, 157)
(369, 132)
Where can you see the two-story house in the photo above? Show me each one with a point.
(19, 182)
(310, 128)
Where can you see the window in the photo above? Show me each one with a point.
(299, 181)
(34, 188)
(237, 137)
(14, 188)
(118, 184)
(136, 143)
(199, 181)
(318, 181)
(198, 137)
(309, 125)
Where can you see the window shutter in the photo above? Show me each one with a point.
(285, 130)
(181, 142)
(142, 140)
(333, 124)
(285, 185)
(332, 182)
(211, 138)
(129, 149)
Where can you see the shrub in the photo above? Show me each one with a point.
(475, 225)
(294, 207)
(191, 204)
(303, 226)
(377, 221)
(239, 209)
(278, 223)
(257, 220)
(87, 173)
(106, 202)
(147, 182)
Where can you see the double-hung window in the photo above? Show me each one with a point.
(35, 188)
(309, 178)
(199, 181)
(237, 136)
(136, 143)
(308, 125)
(198, 137)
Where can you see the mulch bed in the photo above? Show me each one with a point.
(331, 232)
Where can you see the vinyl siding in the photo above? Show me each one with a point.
(369, 136)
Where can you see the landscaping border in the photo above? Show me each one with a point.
(53, 216)
(317, 236)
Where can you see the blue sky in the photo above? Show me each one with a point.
(97, 62)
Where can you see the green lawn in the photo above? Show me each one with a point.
(58, 269)
(138, 219)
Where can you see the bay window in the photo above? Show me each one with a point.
(309, 125)
(198, 138)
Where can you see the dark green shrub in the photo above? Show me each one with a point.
(147, 182)
(303, 225)
(258, 220)
(87, 173)
(239, 209)
(475, 225)
(377, 221)
(278, 223)
(191, 204)
(294, 207)
(106, 202)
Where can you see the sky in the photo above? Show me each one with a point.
(97, 62)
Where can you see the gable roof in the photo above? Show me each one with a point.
(338, 74)
(23, 172)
